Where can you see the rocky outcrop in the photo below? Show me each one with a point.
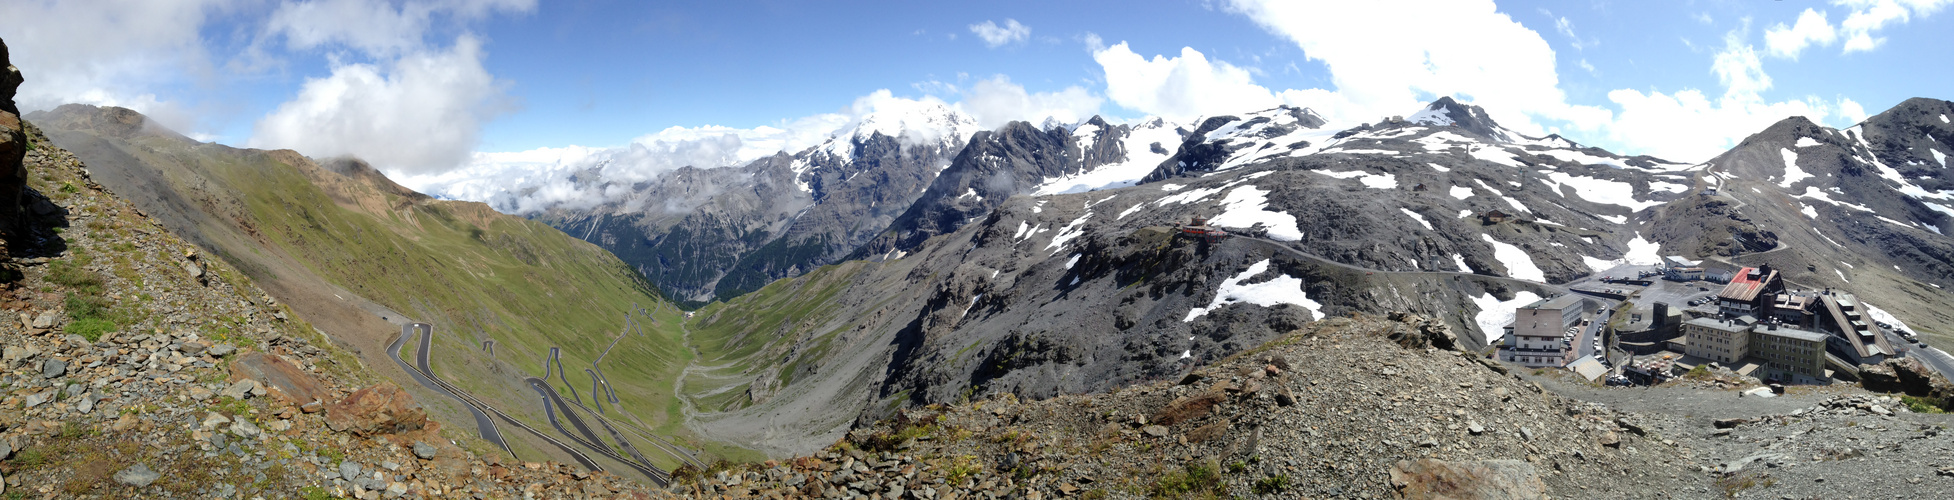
(1908, 376)
(13, 149)
(380, 409)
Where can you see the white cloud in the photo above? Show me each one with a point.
(1182, 87)
(996, 101)
(376, 27)
(422, 112)
(1851, 111)
(1869, 16)
(1811, 30)
(412, 107)
(1504, 66)
(997, 36)
(1689, 126)
(110, 53)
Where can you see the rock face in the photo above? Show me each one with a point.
(380, 409)
(1428, 479)
(13, 149)
(1908, 376)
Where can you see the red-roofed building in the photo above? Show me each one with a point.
(1750, 292)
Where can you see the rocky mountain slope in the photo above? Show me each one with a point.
(1362, 407)
(137, 366)
(707, 233)
(357, 256)
(1445, 214)
(1862, 209)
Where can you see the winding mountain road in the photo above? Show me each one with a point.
(425, 377)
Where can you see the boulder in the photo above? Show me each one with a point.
(1483, 479)
(1908, 376)
(381, 409)
(283, 379)
(1191, 407)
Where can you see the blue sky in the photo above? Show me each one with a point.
(420, 87)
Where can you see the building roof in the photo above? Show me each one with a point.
(1792, 333)
(1588, 367)
(1718, 324)
(1747, 284)
(1561, 302)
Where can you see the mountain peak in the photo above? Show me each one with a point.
(112, 121)
(1446, 112)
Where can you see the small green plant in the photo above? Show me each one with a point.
(91, 328)
(1700, 372)
(30, 458)
(314, 493)
(69, 187)
(230, 406)
(1195, 478)
(1272, 485)
(1237, 467)
(1922, 405)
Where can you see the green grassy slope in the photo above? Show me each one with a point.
(473, 273)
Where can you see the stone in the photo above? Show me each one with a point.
(53, 368)
(221, 350)
(395, 489)
(1475, 428)
(349, 471)
(196, 273)
(424, 451)
(240, 390)
(199, 393)
(37, 399)
(312, 407)
(1609, 439)
(279, 426)
(1208, 432)
(137, 475)
(1726, 423)
(1155, 430)
(45, 320)
(85, 404)
(244, 428)
(1526, 433)
(214, 420)
(380, 409)
(1485, 479)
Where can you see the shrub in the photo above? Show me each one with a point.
(1195, 478)
(1272, 485)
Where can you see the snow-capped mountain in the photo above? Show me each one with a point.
(1864, 208)
(701, 233)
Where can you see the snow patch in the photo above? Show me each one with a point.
(1461, 192)
(1792, 174)
(1281, 290)
(1519, 265)
(1435, 166)
(1460, 260)
(1509, 200)
(1073, 260)
(1465, 213)
(1813, 193)
(1581, 158)
(1171, 187)
(1140, 161)
(1806, 142)
(1602, 191)
(1495, 314)
(1069, 232)
(1247, 206)
(1939, 157)
(1642, 252)
(1497, 155)
(1598, 265)
(1808, 211)
(1841, 275)
(1882, 316)
(1420, 218)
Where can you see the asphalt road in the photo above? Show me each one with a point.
(552, 401)
(424, 376)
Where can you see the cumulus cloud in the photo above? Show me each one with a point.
(1688, 125)
(421, 112)
(1811, 29)
(1504, 66)
(1179, 88)
(996, 101)
(110, 53)
(411, 106)
(998, 36)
